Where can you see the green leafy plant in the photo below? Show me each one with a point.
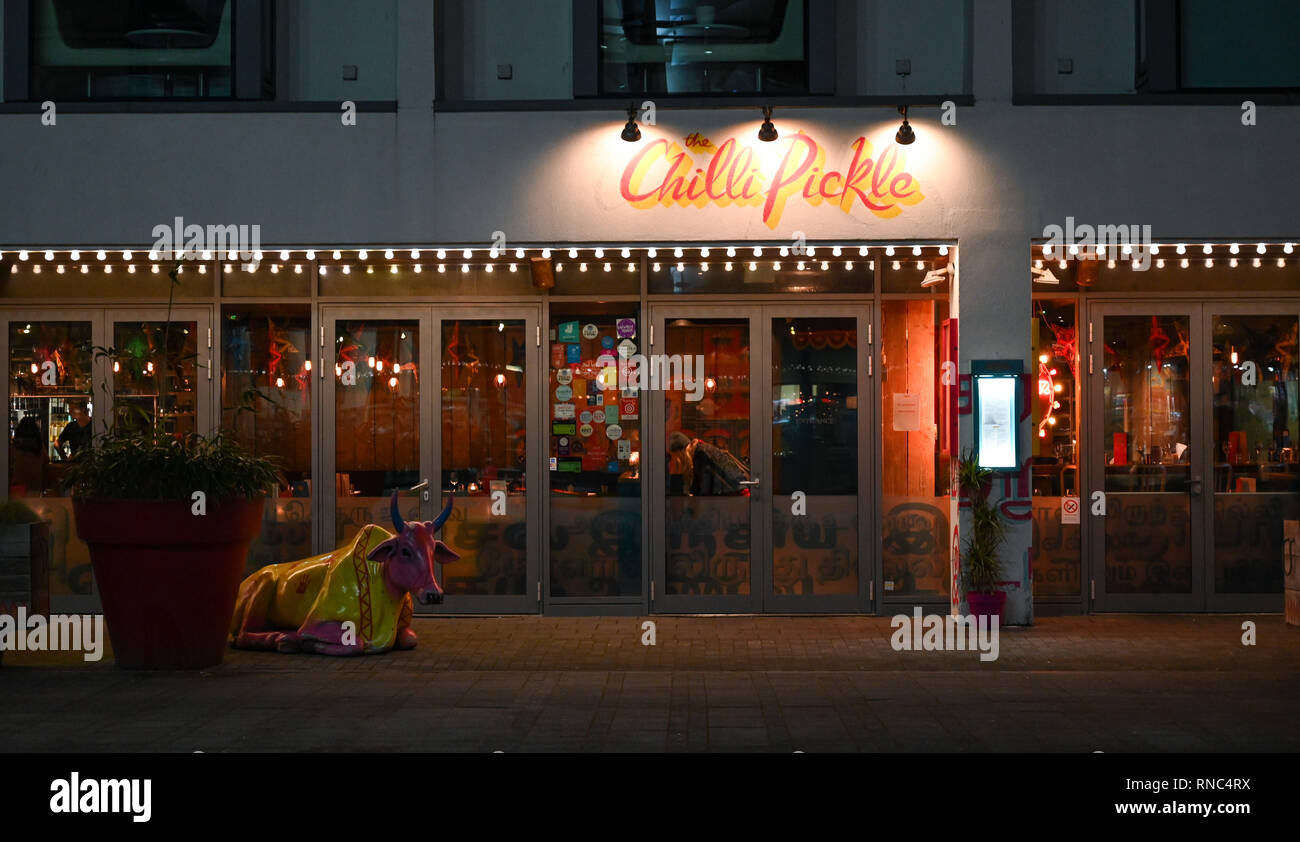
(138, 459)
(17, 512)
(981, 567)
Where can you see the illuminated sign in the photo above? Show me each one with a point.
(997, 413)
(697, 173)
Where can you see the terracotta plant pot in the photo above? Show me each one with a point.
(168, 578)
(987, 604)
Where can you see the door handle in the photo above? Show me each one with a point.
(1195, 487)
(753, 481)
(422, 486)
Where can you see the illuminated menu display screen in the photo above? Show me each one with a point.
(996, 433)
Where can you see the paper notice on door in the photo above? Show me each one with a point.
(1069, 510)
(907, 412)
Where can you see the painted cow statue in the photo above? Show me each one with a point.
(355, 600)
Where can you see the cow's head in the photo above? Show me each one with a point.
(409, 555)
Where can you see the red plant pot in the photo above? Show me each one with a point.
(987, 604)
(168, 578)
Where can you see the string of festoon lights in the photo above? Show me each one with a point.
(1183, 255)
(820, 256)
(610, 258)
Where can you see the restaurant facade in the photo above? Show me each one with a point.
(696, 371)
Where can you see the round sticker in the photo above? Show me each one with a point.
(563, 393)
(590, 331)
(598, 416)
(564, 376)
(585, 417)
(626, 328)
(614, 432)
(585, 430)
(626, 348)
(607, 342)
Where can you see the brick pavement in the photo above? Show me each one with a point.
(1108, 682)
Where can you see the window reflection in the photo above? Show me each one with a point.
(698, 46)
(90, 49)
(1256, 472)
(595, 451)
(708, 508)
(266, 348)
(50, 407)
(484, 454)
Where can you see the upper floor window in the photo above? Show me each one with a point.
(1238, 45)
(144, 49)
(702, 47)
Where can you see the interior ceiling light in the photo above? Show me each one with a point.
(631, 132)
(905, 135)
(767, 131)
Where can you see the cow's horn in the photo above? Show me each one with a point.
(397, 516)
(446, 511)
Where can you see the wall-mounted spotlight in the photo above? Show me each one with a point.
(905, 135)
(631, 131)
(767, 131)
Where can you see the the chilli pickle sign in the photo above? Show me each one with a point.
(698, 173)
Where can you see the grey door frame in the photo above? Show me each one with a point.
(101, 318)
(1193, 600)
(529, 601)
(759, 316)
(430, 318)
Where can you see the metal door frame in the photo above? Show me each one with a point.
(207, 412)
(324, 504)
(655, 439)
(868, 560)
(66, 603)
(759, 316)
(529, 601)
(1095, 472)
(1231, 602)
(431, 318)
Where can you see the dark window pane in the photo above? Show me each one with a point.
(686, 47)
(136, 49)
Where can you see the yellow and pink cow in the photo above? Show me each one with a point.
(355, 600)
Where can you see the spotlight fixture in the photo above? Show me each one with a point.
(905, 135)
(767, 131)
(631, 132)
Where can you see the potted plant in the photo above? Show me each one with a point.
(981, 568)
(168, 519)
